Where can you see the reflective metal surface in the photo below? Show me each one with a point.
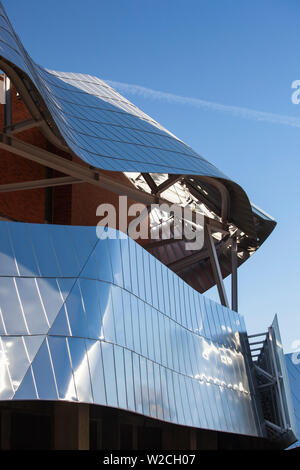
(293, 370)
(285, 384)
(86, 325)
(98, 124)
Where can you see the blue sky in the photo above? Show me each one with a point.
(235, 53)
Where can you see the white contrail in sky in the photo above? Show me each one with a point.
(237, 111)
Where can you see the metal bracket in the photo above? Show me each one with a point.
(266, 374)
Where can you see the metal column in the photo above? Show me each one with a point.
(234, 278)
(215, 265)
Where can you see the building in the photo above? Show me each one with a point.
(107, 341)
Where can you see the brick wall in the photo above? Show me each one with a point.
(24, 206)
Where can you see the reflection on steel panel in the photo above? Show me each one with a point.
(288, 413)
(98, 124)
(293, 369)
(91, 339)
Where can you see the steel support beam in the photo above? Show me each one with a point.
(258, 334)
(270, 384)
(275, 427)
(265, 373)
(234, 276)
(150, 182)
(278, 378)
(215, 265)
(172, 179)
(28, 96)
(183, 263)
(223, 193)
(37, 184)
(168, 183)
(22, 126)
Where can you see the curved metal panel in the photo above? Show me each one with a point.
(99, 336)
(293, 370)
(98, 124)
(285, 400)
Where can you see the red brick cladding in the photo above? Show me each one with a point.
(25, 206)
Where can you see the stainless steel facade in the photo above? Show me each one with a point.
(293, 370)
(104, 322)
(100, 125)
(284, 390)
